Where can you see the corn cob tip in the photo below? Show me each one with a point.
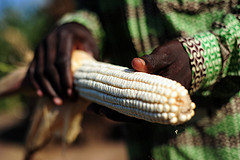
(77, 59)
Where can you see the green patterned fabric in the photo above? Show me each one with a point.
(226, 34)
(210, 33)
(205, 57)
(229, 33)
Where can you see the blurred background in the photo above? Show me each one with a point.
(23, 24)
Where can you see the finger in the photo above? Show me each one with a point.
(85, 41)
(32, 79)
(40, 78)
(50, 71)
(163, 56)
(63, 62)
(47, 88)
(156, 61)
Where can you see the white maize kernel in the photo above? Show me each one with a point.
(174, 94)
(165, 116)
(163, 100)
(161, 91)
(184, 92)
(192, 113)
(188, 116)
(193, 105)
(160, 108)
(171, 115)
(174, 108)
(159, 115)
(171, 100)
(151, 107)
(166, 108)
(173, 120)
(167, 92)
(182, 117)
(173, 87)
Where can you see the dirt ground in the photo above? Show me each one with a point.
(97, 151)
(101, 140)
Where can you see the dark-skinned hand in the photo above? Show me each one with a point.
(50, 70)
(169, 60)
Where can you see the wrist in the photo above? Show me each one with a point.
(88, 19)
(82, 38)
(205, 59)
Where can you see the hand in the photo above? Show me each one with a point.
(50, 70)
(169, 60)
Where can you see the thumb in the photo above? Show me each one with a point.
(151, 63)
(161, 57)
(139, 65)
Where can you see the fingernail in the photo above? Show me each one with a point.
(69, 91)
(39, 93)
(139, 64)
(57, 101)
(141, 61)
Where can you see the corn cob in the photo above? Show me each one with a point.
(149, 97)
